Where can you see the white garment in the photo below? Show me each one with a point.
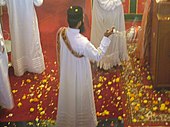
(26, 49)
(105, 14)
(76, 107)
(6, 98)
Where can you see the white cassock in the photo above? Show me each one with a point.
(76, 106)
(26, 51)
(105, 14)
(6, 98)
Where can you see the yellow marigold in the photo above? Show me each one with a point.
(31, 109)
(100, 97)
(134, 120)
(28, 80)
(19, 104)
(145, 101)
(117, 80)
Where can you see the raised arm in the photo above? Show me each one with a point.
(2, 2)
(1, 41)
(96, 54)
(38, 2)
(109, 4)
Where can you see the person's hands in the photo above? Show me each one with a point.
(109, 32)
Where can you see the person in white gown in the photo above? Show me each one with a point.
(106, 13)
(76, 106)
(6, 98)
(26, 51)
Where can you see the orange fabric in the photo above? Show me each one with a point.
(62, 32)
(58, 48)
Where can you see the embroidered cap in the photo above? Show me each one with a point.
(75, 13)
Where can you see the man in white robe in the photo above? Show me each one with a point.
(76, 106)
(106, 13)
(26, 51)
(6, 98)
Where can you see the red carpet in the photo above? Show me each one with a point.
(142, 104)
(36, 95)
(33, 91)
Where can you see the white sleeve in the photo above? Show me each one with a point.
(1, 46)
(38, 2)
(1, 40)
(109, 4)
(96, 54)
(2, 2)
